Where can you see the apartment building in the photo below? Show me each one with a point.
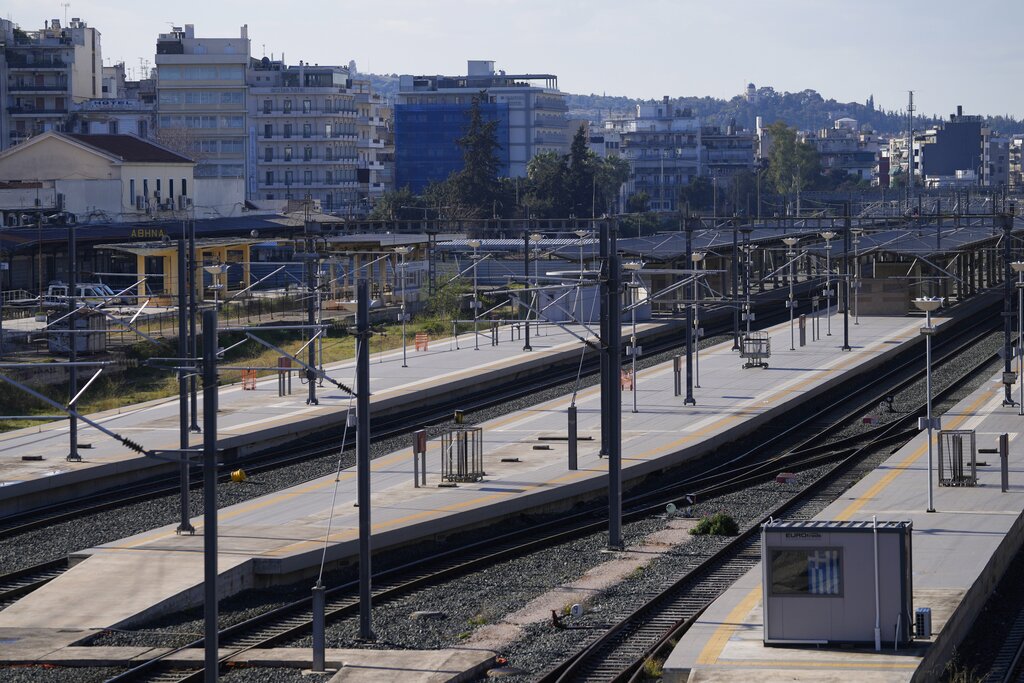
(843, 149)
(43, 73)
(202, 111)
(663, 147)
(726, 151)
(319, 133)
(431, 113)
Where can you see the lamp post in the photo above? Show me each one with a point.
(828, 236)
(634, 350)
(475, 304)
(928, 304)
(1018, 267)
(582, 234)
(697, 257)
(857, 232)
(790, 242)
(216, 270)
(403, 316)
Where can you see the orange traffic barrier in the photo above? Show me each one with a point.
(422, 340)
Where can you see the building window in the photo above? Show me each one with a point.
(170, 188)
(145, 188)
(184, 187)
(270, 177)
(143, 129)
(327, 106)
(806, 571)
(307, 130)
(112, 127)
(158, 189)
(287, 153)
(307, 153)
(268, 154)
(327, 177)
(131, 189)
(328, 153)
(327, 130)
(287, 106)
(307, 106)
(267, 104)
(287, 130)
(288, 178)
(307, 177)
(268, 130)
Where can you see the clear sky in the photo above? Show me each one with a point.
(949, 51)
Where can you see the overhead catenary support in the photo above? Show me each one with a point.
(689, 400)
(185, 523)
(526, 277)
(192, 323)
(73, 455)
(736, 283)
(210, 628)
(846, 279)
(1006, 221)
(312, 299)
(613, 350)
(603, 334)
(363, 455)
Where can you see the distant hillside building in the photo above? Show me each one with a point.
(431, 113)
(956, 152)
(843, 149)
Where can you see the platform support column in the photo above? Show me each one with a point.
(313, 294)
(185, 524)
(192, 323)
(735, 289)
(210, 495)
(363, 456)
(603, 332)
(1004, 461)
(846, 280)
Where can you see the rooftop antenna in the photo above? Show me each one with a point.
(65, 5)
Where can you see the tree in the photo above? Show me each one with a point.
(580, 182)
(400, 205)
(792, 165)
(699, 194)
(612, 172)
(477, 183)
(638, 202)
(546, 194)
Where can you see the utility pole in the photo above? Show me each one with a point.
(1007, 224)
(192, 322)
(689, 400)
(735, 286)
(313, 293)
(526, 276)
(612, 302)
(604, 334)
(846, 279)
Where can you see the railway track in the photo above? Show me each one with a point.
(754, 465)
(719, 322)
(24, 581)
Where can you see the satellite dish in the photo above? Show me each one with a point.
(576, 610)
(670, 509)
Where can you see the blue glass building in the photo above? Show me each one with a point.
(425, 140)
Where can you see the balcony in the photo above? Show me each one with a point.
(22, 87)
(15, 64)
(36, 111)
(301, 187)
(302, 161)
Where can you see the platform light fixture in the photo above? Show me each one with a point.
(403, 316)
(582, 234)
(1018, 267)
(828, 236)
(791, 242)
(634, 349)
(928, 304)
(216, 270)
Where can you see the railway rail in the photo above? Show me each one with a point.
(753, 465)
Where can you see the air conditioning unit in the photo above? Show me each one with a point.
(140, 202)
(169, 205)
(181, 201)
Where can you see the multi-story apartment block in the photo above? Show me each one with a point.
(306, 133)
(43, 73)
(663, 148)
(843, 149)
(376, 144)
(726, 151)
(956, 152)
(431, 113)
(201, 109)
(1015, 159)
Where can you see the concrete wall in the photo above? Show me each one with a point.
(218, 197)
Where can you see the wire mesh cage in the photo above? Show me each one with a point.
(756, 348)
(462, 454)
(958, 465)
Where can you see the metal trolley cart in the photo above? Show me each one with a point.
(756, 347)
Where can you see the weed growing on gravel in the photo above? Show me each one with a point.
(718, 524)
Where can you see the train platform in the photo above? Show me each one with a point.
(281, 536)
(34, 469)
(959, 554)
